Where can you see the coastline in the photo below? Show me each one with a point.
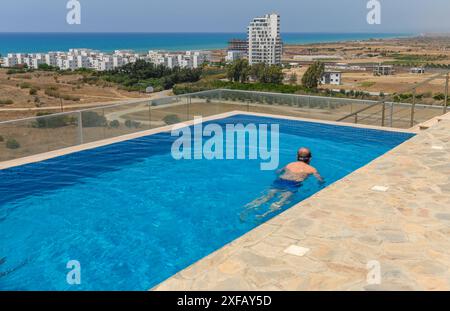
(143, 42)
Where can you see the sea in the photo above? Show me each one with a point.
(142, 42)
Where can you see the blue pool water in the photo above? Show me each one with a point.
(133, 216)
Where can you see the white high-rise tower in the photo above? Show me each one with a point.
(264, 40)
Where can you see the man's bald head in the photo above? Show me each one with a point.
(304, 155)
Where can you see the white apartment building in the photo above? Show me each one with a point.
(36, 60)
(51, 59)
(184, 62)
(200, 57)
(83, 61)
(170, 61)
(105, 63)
(119, 61)
(67, 63)
(264, 40)
(11, 60)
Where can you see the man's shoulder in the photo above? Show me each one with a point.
(309, 168)
(301, 165)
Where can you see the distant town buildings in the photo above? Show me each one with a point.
(264, 40)
(190, 59)
(345, 67)
(331, 77)
(99, 61)
(311, 58)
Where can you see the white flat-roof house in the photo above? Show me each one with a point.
(418, 70)
(331, 77)
(264, 40)
(383, 70)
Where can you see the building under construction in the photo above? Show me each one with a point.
(238, 45)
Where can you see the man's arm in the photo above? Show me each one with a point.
(318, 177)
(281, 170)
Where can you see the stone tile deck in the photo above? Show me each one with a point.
(406, 229)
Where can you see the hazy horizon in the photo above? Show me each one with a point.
(178, 16)
(209, 32)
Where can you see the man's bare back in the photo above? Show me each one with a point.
(299, 171)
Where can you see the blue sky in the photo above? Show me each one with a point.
(223, 16)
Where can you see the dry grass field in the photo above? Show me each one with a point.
(17, 88)
(403, 53)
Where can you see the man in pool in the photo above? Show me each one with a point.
(289, 180)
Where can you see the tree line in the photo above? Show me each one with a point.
(141, 74)
(241, 71)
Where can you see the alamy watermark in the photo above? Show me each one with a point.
(374, 272)
(73, 16)
(374, 15)
(212, 142)
(73, 277)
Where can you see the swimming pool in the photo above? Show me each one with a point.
(133, 216)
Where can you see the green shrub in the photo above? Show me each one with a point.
(33, 91)
(171, 119)
(52, 93)
(439, 96)
(132, 124)
(1, 138)
(25, 85)
(93, 119)
(46, 67)
(70, 97)
(11, 143)
(6, 102)
(218, 84)
(114, 124)
(52, 121)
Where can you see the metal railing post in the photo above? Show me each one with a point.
(446, 93)
(413, 107)
(383, 114)
(391, 117)
(150, 115)
(188, 101)
(80, 128)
